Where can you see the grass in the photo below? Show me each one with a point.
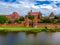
(27, 29)
(18, 28)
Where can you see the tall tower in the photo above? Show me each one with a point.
(35, 22)
(26, 22)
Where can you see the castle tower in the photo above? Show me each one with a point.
(26, 22)
(40, 15)
(35, 22)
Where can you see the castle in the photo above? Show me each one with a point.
(37, 15)
(28, 22)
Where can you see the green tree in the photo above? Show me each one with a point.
(58, 20)
(9, 22)
(21, 18)
(3, 19)
(16, 20)
(57, 17)
(31, 17)
(47, 20)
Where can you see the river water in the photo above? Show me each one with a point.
(26, 38)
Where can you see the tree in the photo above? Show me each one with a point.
(57, 17)
(21, 18)
(58, 20)
(9, 22)
(3, 19)
(31, 17)
(16, 20)
(47, 20)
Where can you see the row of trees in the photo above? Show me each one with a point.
(4, 19)
(50, 20)
(46, 20)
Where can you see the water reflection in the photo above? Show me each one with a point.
(27, 38)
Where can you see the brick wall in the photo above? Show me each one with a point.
(49, 25)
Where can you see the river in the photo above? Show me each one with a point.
(26, 38)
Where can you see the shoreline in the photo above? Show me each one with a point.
(28, 29)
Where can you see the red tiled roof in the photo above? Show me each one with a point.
(35, 13)
(8, 16)
(15, 14)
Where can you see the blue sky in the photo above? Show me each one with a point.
(23, 6)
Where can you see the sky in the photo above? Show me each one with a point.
(24, 6)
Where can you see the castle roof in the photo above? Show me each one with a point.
(34, 13)
(52, 14)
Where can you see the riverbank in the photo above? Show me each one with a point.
(27, 29)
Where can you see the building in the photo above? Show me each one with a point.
(12, 16)
(27, 22)
(35, 22)
(35, 14)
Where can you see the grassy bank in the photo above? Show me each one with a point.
(27, 29)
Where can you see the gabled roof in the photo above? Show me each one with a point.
(52, 14)
(34, 13)
(15, 14)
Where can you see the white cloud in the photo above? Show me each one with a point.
(47, 0)
(25, 5)
(46, 6)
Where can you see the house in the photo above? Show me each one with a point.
(35, 14)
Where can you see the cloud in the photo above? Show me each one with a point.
(47, 0)
(46, 6)
(23, 6)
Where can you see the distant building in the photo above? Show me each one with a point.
(12, 16)
(35, 14)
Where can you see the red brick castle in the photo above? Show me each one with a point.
(27, 22)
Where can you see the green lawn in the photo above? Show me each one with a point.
(18, 28)
(25, 29)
